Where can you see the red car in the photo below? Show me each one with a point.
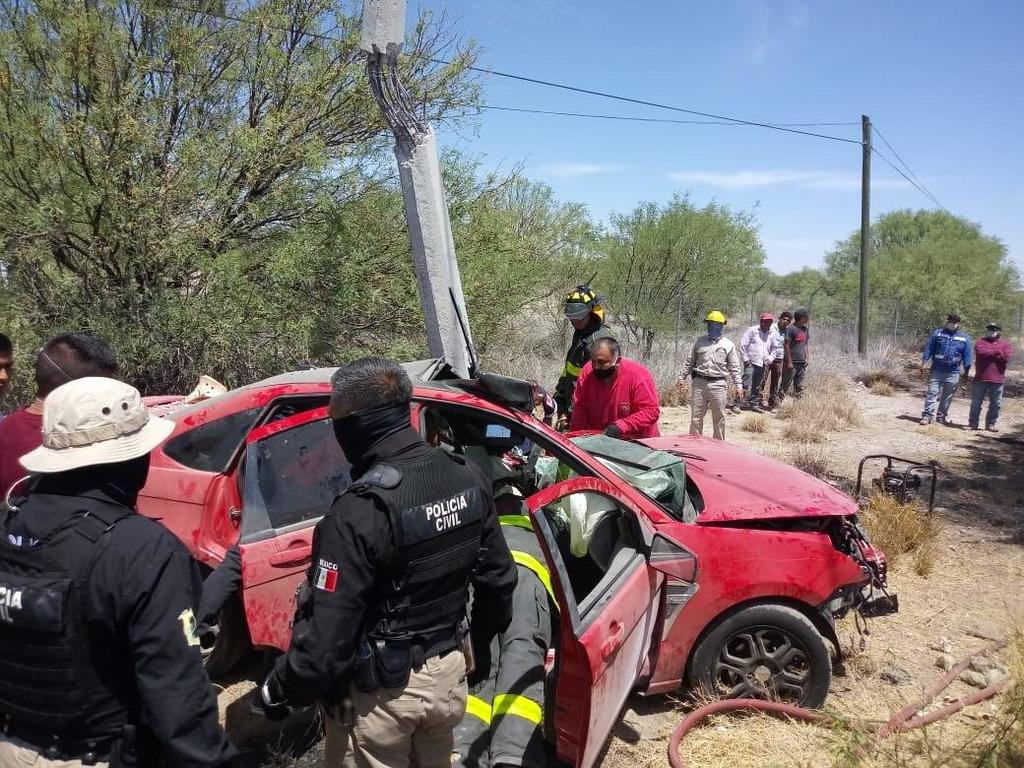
(674, 559)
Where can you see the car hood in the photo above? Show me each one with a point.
(738, 484)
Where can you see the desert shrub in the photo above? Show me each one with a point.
(810, 460)
(900, 529)
(755, 423)
(802, 432)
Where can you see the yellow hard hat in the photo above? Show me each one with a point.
(714, 316)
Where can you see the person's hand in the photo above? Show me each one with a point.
(613, 431)
(269, 700)
(789, 366)
(563, 423)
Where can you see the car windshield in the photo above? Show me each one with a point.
(658, 475)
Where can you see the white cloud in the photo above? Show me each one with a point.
(573, 170)
(778, 177)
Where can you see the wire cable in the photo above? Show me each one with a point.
(637, 119)
(547, 83)
(917, 186)
(904, 164)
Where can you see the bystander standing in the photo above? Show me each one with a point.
(991, 356)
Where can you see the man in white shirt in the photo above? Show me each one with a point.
(757, 351)
(773, 375)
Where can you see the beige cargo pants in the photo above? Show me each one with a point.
(14, 754)
(708, 394)
(403, 727)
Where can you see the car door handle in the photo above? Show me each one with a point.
(614, 641)
(294, 555)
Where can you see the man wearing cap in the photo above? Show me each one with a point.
(584, 310)
(713, 363)
(757, 350)
(99, 659)
(992, 355)
(949, 350)
(65, 357)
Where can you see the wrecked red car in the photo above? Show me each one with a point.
(675, 560)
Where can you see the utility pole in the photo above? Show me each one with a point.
(865, 235)
(426, 211)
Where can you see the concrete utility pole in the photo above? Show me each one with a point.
(865, 235)
(426, 211)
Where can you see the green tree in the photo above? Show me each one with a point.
(666, 266)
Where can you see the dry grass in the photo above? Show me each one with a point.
(902, 529)
(883, 388)
(802, 432)
(755, 423)
(884, 381)
(810, 460)
(826, 406)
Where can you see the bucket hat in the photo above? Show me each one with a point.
(94, 420)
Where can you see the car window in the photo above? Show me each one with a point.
(596, 542)
(209, 447)
(299, 473)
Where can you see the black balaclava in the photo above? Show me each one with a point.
(121, 481)
(358, 432)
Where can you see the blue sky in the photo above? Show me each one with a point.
(943, 81)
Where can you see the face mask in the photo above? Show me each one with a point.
(991, 334)
(606, 373)
(952, 326)
(715, 330)
(360, 431)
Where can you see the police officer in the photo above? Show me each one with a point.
(584, 310)
(504, 721)
(99, 659)
(379, 633)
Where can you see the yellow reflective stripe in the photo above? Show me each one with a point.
(478, 708)
(529, 561)
(519, 521)
(520, 706)
(572, 370)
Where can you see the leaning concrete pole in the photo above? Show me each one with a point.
(426, 210)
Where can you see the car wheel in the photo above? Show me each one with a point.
(232, 644)
(763, 652)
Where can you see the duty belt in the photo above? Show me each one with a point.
(434, 644)
(53, 746)
(708, 378)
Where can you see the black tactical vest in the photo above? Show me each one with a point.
(436, 507)
(48, 677)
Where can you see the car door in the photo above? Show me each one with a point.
(293, 470)
(608, 607)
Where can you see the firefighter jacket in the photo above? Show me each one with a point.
(97, 633)
(391, 562)
(504, 720)
(575, 359)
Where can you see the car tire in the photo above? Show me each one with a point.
(232, 644)
(764, 651)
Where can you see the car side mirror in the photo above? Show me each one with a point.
(673, 560)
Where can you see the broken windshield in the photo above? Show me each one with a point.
(659, 475)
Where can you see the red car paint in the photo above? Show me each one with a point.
(630, 639)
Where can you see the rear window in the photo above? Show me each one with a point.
(210, 446)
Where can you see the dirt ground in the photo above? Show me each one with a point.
(975, 591)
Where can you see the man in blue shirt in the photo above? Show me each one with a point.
(950, 352)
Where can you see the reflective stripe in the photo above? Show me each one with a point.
(478, 708)
(529, 561)
(519, 521)
(520, 706)
(572, 370)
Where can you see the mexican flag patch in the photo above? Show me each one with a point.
(326, 576)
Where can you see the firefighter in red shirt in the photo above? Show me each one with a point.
(615, 395)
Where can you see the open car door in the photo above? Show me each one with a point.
(293, 469)
(609, 598)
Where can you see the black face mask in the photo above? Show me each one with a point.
(360, 431)
(605, 373)
(121, 481)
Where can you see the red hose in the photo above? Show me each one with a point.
(905, 719)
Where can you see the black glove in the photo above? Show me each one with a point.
(269, 701)
(613, 431)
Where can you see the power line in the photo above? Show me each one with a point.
(637, 119)
(547, 83)
(919, 187)
(904, 164)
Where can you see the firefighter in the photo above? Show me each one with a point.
(99, 658)
(504, 721)
(379, 629)
(584, 310)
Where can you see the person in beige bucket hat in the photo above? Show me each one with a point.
(131, 688)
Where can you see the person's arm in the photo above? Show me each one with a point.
(1005, 352)
(580, 408)
(494, 576)
(690, 362)
(745, 342)
(735, 369)
(787, 352)
(178, 702)
(350, 543)
(645, 408)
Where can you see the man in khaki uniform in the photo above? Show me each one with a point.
(713, 363)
